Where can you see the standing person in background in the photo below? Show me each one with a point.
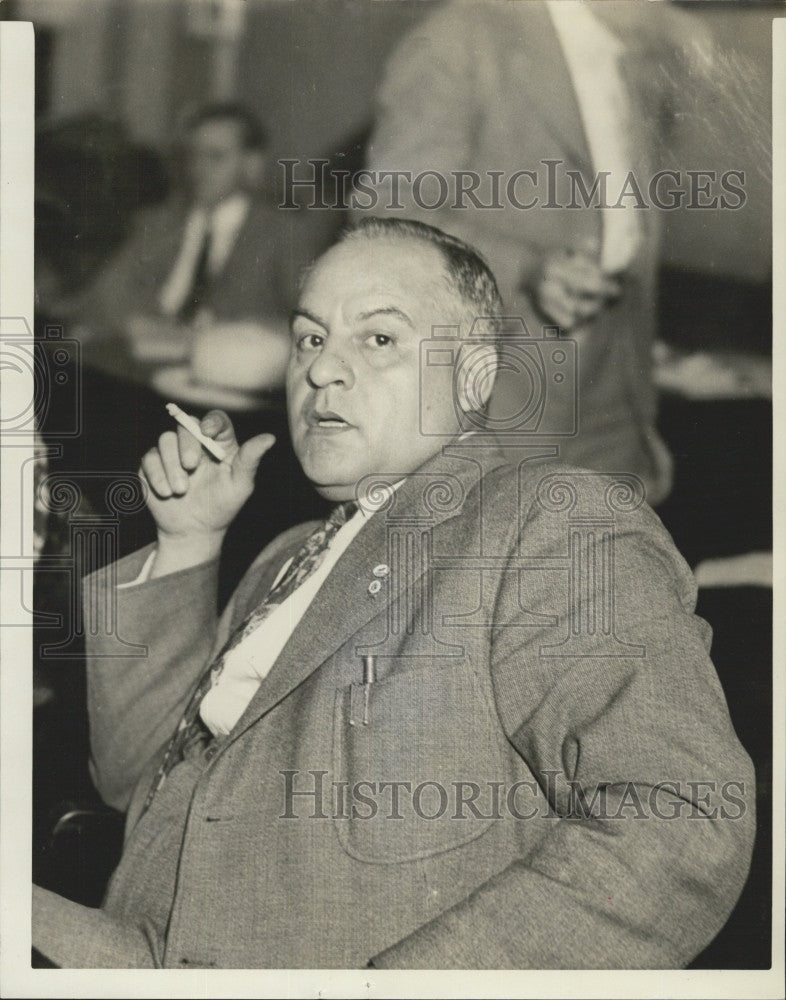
(551, 97)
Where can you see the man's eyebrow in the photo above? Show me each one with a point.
(387, 311)
(305, 314)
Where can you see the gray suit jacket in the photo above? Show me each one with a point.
(255, 283)
(484, 86)
(535, 635)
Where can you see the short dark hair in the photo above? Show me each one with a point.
(467, 271)
(253, 135)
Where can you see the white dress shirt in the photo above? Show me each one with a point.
(221, 225)
(250, 661)
(592, 53)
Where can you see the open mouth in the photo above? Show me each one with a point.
(328, 420)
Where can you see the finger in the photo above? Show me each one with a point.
(250, 455)
(589, 246)
(152, 471)
(587, 309)
(217, 425)
(169, 452)
(556, 313)
(578, 277)
(584, 277)
(614, 287)
(577, 263)
(190, 449)
(557, 304)
(587, 280)
(555, 266)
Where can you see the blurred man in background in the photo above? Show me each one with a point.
(212, 254)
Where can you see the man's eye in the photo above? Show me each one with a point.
(309, 342)
(380, 340)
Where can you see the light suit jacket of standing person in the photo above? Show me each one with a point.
(488, 674)
(486, 87)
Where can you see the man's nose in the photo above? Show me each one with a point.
(331, 367)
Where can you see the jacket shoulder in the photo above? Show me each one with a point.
(543, 502)
(161, 218)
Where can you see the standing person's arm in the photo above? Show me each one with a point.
(430, 108)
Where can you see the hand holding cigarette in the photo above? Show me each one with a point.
(193, 427)
(199, 478)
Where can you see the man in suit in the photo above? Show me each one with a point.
(215, 253)
(520, 108)
(470, 721)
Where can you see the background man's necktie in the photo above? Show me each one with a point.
(302, 566)
(200, 282)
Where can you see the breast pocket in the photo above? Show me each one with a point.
(417, 778)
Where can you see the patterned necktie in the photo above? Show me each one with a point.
(302, 566)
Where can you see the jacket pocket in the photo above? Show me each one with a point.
(416, 778)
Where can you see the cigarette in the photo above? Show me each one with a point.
(193, 427)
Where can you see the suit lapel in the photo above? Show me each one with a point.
(238, 248)
(251, 241)
(540, 64)
(163, 240)
(343, 605)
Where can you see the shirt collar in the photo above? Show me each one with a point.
(577, 25)
(228, 214)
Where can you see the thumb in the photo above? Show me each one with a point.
(250, 454)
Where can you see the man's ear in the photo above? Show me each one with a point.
(475, 374)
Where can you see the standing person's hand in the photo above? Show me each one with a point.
(571, 288)
(193, 497)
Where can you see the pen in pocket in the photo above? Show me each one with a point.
(369, 676)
